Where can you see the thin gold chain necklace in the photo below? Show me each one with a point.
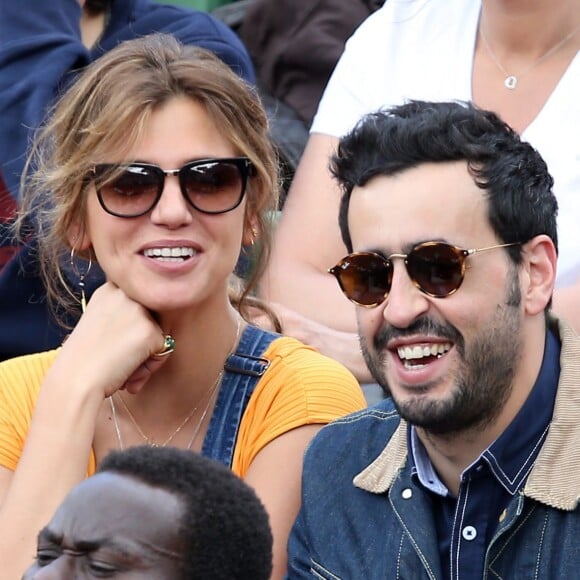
(511, 80)
(207, 405)
(148, 440)
(207, 394)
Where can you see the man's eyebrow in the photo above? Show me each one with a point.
(410, 245)
(125, 547)
(92, 545)
(48, 535)
(407, 247)
(122, 546)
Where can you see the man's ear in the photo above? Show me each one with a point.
(539, 263)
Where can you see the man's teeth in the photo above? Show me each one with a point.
(170, 254)
(418, 352)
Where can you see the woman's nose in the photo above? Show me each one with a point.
(172, 209)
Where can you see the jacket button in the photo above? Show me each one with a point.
(407, 493)
(502, 516)
(469, 533)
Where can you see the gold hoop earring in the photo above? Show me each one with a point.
(81, 277)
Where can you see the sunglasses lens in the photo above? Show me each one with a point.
(365, 278)
(213, 186)
(132, 193)
(436, 268)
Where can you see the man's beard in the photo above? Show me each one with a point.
(485, 376)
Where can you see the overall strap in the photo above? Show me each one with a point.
(243, 370)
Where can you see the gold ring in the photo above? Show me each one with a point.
(168, 347)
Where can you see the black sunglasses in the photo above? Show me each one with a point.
(211, 186)
(436, 268)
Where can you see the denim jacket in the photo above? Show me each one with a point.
(364, 517)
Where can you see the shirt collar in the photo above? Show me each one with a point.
(423, 467)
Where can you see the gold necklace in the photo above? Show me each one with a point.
(207, 405)
(147, 439)
(150, 441)
(511, 80)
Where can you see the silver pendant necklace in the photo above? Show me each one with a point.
(511, 80)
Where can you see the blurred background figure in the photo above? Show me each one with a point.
(295, 45)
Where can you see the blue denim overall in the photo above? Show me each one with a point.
(243, 370)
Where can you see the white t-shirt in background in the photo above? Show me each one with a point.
(423, 49)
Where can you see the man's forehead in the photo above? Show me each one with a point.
(433, 201)
(451, 179)
(112, 504)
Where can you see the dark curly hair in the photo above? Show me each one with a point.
(515, 178)
(225, 528)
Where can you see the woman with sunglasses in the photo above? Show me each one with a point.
(157, 166)
(43, 48)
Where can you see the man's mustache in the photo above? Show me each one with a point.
(423, 325)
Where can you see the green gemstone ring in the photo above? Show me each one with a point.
(168, 346)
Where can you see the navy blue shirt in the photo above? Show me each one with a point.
(466, 523)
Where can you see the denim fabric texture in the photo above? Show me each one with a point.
(244, 369)
(365, 516)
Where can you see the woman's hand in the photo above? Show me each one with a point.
(114, 343)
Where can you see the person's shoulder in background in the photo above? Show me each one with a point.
(190, 26)
(295, 45)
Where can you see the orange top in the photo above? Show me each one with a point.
(300, 387)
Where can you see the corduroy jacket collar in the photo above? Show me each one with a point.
(554, 478)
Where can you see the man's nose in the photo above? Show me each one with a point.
(405, 302)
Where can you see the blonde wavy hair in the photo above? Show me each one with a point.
(106, 110)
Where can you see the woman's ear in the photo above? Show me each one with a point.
(251, 231)
(539, 262)
(78, 237)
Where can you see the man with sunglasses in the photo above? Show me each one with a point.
(469, 468)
